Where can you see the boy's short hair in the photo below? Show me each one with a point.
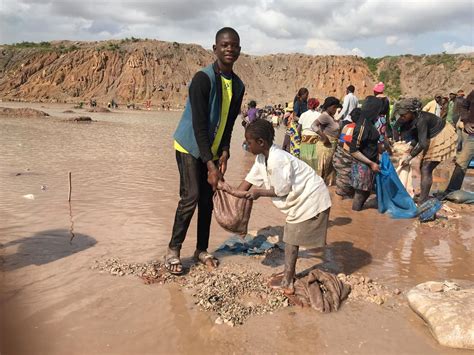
(261, 129)
(227, 30)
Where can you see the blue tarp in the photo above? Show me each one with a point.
(392, 196)
(249, 245)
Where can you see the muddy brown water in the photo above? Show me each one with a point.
(124, 195)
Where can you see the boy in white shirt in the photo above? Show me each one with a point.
(294, 188)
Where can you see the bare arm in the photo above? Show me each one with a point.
(244, 186)
(361, 157)
(317, 128)
(256, 193)
(243, 191)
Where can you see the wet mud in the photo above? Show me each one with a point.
(124, 194)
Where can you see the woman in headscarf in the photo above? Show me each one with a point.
(328, 130)
(432, 138)
(308, 136)
(364, 150)
(342, 160)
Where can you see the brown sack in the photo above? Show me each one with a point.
(232, 213)
(320, 290)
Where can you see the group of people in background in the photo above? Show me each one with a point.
(342, 141)
(326, 144)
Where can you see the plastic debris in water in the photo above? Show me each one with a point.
(29, 196)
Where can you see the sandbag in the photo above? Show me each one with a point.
(461, 196)
(406, 178)
(319, 290)
(448, 309)
(232, 213)
(392, 197)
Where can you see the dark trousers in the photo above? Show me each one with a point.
(194, 190)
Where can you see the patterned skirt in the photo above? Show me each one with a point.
(363, 177)
(443, 145)
(342, 162)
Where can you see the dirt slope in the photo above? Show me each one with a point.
(133, 71)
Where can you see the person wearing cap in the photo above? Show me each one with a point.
(450, 115)
(350, 102)
(365, 151)
(458, 103)
(328, 130)
(383, 120)
(433, 139)
(434, 106)
(308, 136)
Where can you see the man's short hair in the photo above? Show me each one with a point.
(351, 88)
(227, 30)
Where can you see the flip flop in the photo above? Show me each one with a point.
(173, 260)
(203, 257)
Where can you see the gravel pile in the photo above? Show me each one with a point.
(366, 289)
(234, 294)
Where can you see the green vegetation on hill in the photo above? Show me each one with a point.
(40, 45)
(132, 39)
(389, 75)
(372, 64)
(447, 60)
(44, 47)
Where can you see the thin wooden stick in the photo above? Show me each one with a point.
(70, 187)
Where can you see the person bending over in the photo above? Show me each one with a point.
(294, 188)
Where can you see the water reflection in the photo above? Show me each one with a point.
(42, 248)
(126, 189)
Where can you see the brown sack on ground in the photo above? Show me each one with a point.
(320, 290)
(232, 213)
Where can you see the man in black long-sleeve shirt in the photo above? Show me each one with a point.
(202, 141)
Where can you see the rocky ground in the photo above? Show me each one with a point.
(234, 292)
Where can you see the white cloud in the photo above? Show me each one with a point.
(327, 46)
(266, 26)
(392, 40)
(452, 47)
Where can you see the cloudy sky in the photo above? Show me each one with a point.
(362, 27)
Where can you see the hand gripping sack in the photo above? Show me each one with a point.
(232, 213)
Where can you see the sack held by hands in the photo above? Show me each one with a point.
(232, 213)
